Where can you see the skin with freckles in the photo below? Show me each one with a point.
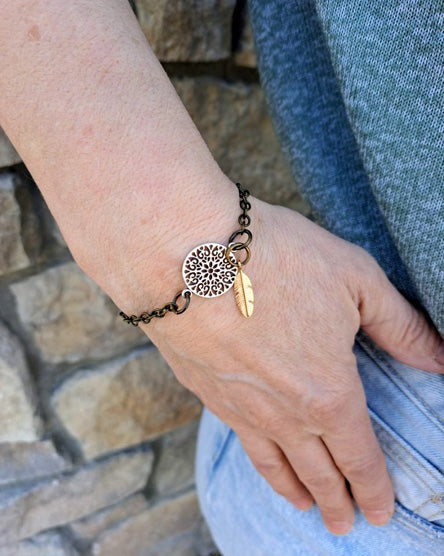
(134, 188)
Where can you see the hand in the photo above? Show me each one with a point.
(286, 379)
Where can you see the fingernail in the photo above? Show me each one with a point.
(440, 353)
(378, 517)
(339, 527)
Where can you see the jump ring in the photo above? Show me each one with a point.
(240, 232)
(232, 248)
(186, 294)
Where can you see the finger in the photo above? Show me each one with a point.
(355, 449)
(397, 326)
(318, 472)
(272, 464)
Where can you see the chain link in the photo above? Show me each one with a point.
(160, 312)
(244, 221)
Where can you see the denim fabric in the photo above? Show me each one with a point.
(355, 89)
(247, 517)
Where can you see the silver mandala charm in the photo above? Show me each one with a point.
(207, 272)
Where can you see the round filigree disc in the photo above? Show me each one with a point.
(207, 272)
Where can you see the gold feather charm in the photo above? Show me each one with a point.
(243, 291)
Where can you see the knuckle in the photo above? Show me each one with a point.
(324, 484)
(364, 266)
(325, 409)
(268, 420)
(271, 466)
(414, 330)
(362, 470)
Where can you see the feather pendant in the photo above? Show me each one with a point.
(243, 291)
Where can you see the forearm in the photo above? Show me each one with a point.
(103, 132)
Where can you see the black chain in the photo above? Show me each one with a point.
(160, 312)
(244, 221)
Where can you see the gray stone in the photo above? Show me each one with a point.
(194, 542)
(187, 30)
(175, 468)
(204, 542)
(18, 418)
(123, 403)
(12, 252)
(22, 461)
(31, 508)
(234, 121)
(70, 318)
(180, 545)
(139, 534)
(8, 155)
(87, 529)
(50, 543)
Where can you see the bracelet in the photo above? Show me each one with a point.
(210, 269)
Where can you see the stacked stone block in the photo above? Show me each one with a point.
(97, 437)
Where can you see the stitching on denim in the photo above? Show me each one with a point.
(417, 524)
(410, 452)
(415, 510)
(398, 449)
(435, 515)
(414, 396)
(435, 499)
(407, 468)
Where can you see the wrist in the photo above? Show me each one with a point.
(198, 278)
(206, 213)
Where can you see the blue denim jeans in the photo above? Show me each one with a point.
(248, 518)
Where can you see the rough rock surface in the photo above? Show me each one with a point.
(85, 530)
(18, 418)
(150, 527)
(27, 509)
(186, 30)
(70, 318)
(245, 53)
(234, 122)
(124, 402)
(12, 252)
(175, 468)
(50, 543)
(23, 461)
(8, 155)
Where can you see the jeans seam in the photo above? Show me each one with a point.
(417, 523)
(422, 405)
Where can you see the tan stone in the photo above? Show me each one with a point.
(22, 461)
(12, 253)
(187, 30)
(18, 418)
(123, 403)
(245, 54)
(139, 534)
(70, 318)
(30, 508)
(234, 122)
(8, 155)
(175, 468)
(49, 543)
(87, 529)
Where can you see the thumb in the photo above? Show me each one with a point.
(397, 326)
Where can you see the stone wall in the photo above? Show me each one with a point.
(97, 437)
